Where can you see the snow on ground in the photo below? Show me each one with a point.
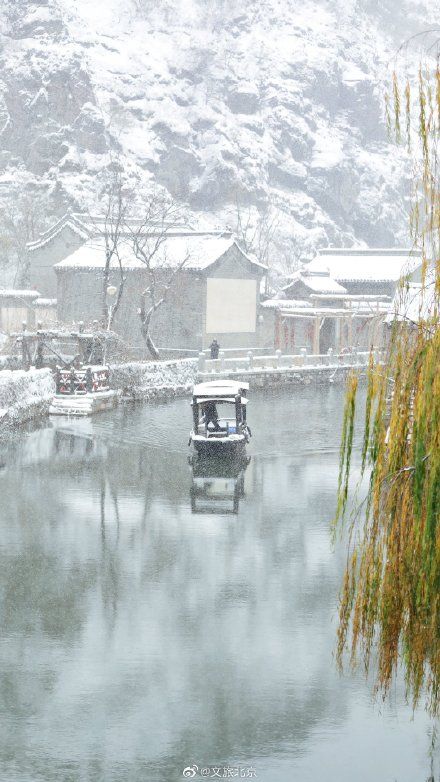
(141, 380)
(24, 395)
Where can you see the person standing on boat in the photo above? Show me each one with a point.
(215, 348)
(210, 415)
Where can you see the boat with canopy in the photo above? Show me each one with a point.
(219, 418)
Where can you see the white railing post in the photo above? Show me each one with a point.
(330, 355)
(277, 358)
(303, 352)
(250, 357)
(201, 362)
(222, 360)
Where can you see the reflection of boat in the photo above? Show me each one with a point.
(217, 485)
(219, 418)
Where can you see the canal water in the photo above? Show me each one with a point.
(154, 620)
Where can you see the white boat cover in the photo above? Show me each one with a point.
(220, 388)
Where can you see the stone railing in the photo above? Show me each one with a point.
(252, 363)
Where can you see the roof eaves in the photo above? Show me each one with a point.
(12, 293)
(249, 258)
(368, 279)
(66, 221)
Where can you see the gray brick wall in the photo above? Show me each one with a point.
(41, 262)
(178, 323)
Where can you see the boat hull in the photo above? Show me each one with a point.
(219, 448)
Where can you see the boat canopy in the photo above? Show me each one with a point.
(220, 389)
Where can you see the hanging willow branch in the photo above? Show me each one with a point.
(390, 598)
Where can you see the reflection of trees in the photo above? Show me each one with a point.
(40, 594)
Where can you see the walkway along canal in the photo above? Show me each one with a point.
(140, 638)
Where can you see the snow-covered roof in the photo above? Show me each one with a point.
(321, 284)
(220, 388)
(200, 250)
(45, 302)
(86, 226)
(12, 293)
(318, 281)
(68, 220)
(372, 265)
(278, 304)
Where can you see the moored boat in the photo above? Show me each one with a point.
(219, 418)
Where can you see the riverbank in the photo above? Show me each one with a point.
(145, 381)
(27, 395)
(24, 395)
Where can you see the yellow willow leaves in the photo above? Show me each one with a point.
(396, 101)
(390, 597)
(408, 114)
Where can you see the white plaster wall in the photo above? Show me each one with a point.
(231, 306)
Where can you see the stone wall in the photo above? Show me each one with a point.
(80, 298)
(24, 395)
(279, 378)
(178, 323)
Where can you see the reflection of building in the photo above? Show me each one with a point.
(217, 485)
(67, 442)
(215, 294)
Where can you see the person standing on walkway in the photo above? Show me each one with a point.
(215, 348)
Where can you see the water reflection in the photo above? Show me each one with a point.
(139, 637)
(68, 442)
(218, 484)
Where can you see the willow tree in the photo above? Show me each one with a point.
(390, 599)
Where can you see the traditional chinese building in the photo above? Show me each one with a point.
(353, 323)
(215, 291)
(339, 300)
(369, 272)
(55, 244)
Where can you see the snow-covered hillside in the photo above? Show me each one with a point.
(264, 102)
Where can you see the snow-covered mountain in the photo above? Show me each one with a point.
(268, 103)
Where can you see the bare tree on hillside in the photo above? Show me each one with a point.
(147, 241)
(22, 218)
(256, 235)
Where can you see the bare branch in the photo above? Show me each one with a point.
(160, 219)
